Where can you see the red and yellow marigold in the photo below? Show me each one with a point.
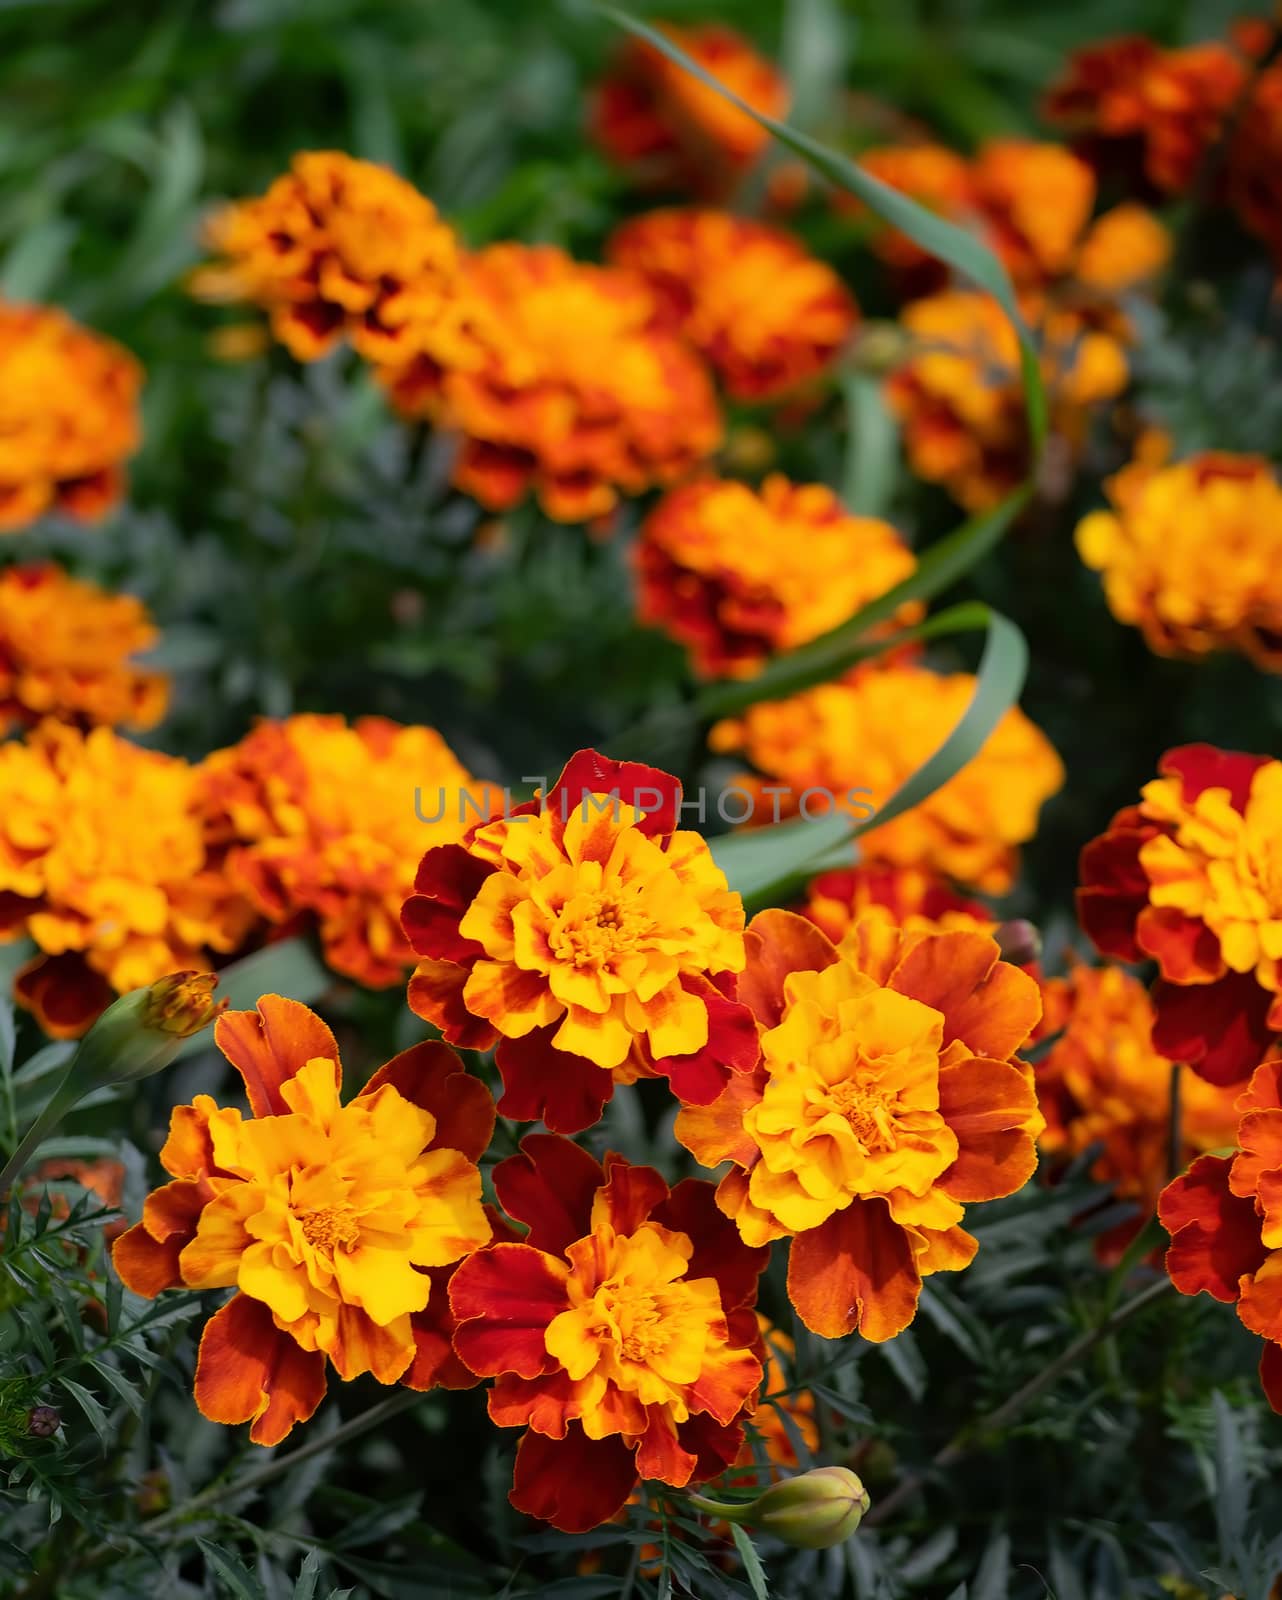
(909, 897)
(336, 248)
(766, 314)
(867, 734)
(334, 1223)
(325, 820)
(104, 864)
(1191, 877)
(737, 574)
(887, 1099)
(65, 648)
(69, 417)
(591, 938)
(1191, 554)
(1224, 1216)
(656, 119)
(620, 1332)
(621, 407)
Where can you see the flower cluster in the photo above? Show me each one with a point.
(1191, 554)
(870, 732)
(333, 1223)
(737, 574)
(749, 297)
(65, 648)
(886, 1099)
(1191, 877)
(319, 819)
(68, 417)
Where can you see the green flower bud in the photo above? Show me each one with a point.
(813, 1511)
(142, 1031)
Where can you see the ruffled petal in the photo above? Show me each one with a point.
(855, 1272)
(248, 1370)
(575, 1483)
(541, 1083)
(270, 1044)
(503, 1299)
(1215, 1234)
(550, 1186)
(431, 1076)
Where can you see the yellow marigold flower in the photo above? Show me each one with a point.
(103, 863)
(869, 733)
(1102, 1083)
(336, 247)
(64, 652)
(620, 407)
(736, 574)
(68, 416)
(751, 299)
(328, 820)
(1191, 554)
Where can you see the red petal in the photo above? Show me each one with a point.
(719, 1252)
(541, 1083)
(1219, 1029)
(147, 1265)
(1185, 949)
(269, 1045)
(249, 1371)
(432, 1076)
(855, 1271)
(1271, 1375)
(63, 992)
(1203, 766)
(657, 794)
(436, 994)
(448, 880)
(575, 1483)
(659, 1453)
(1215, 1236)
(547, 1404)
(550, 1185)
(503, 1298)
(630, 1193)
(733, 1046)
(1114, 886)
(435, 1363)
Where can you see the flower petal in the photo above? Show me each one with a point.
(432, 1077)
(989, 1005)
(550, 1185)
(855, 1271)
(503, 1298)
(575, 1483)
(656, 794)
(449, 878)
(436, 994)
(1215, 1235)
(541, 1083)
(777, 943)
(1219, 1029)
(269, 1045)
(248, 1370)
(991, 1107)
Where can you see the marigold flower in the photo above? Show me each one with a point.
(1102, 1083)
(103, 863)
(590, 938)
(621, 407)
(1192, 555)
(912, 899)
(325, 820)
(886, 1100)
(736, 574)
(333, 1222)
(69, 417)
(335, 248)
(620, 1332)
(64, 652)
(764, 312)
(654, 117)
(1192, 877)
(867, 734)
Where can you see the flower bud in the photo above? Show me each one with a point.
(1019, 942)
(814, 1510)
(43, 1421)
(142, 1031)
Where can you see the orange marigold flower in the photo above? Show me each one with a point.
(909, 897)
(750, 298)
(64, 652)
(736, 574)
(335, 248)
(620, 1332)
(866, 735)
(887, 1099)
(1103, 1083)
(326, 820)
(1192, 878)
(621, 407)
(933, 176)
(334, 1223)
(69, 417)
(591, 938)
(652, 116)
(103, 863)
(1192, 555)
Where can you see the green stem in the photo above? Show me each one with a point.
(719, 1508)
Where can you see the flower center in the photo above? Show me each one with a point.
(592, 931)
(640, 1324)
(867, 1113)
(330, 1227)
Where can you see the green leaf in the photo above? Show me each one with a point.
(235, 1577)
(308, 1577)
(92, 1410)
(872, 447)
(756, 1573)
(289, 968)
(963, 251)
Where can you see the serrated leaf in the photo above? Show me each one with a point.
(235, 1576)
(756, 1573)
(97, 1417)
(308, 1577)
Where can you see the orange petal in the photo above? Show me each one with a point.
(436, 994)
(147, 1265)
(714, 1133)
(188, 1152)
(988, 1004)
(248, 1370)
(357, 1344)
(547, 1404)
(987, 1104)
(629, 1196)
(777, 943)
(431, 1076)
(269, 1045)
(660, 1455)
(726, 1385)
(1260, 1307)
(856, 1271)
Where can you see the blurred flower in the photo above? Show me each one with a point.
(43, 1421)
(1253, 175)
(335, 248)
(737, 574)
(656, 119)
(909, 897)
(103, 863)
(750, 298)
(618, 408)
(1102, 1083)
(867, 734)
(69, 417)
(590, 938)
(933, 176)
(1192, 555)
(327, 1219)
(620, 1332)
(782, 1421)
(325, 820)
(887, 1099)
(64, 652)
(1192, 878)
(103, 1178)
